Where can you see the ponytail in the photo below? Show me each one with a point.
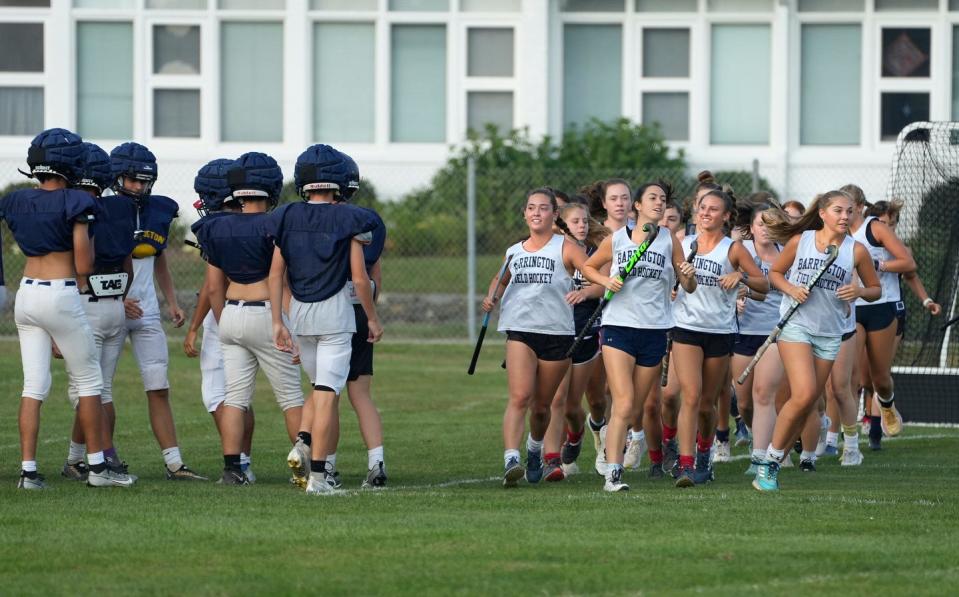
(780, 229)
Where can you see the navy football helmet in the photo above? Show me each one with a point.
(97, 172)
(257, 176)
(322, 167)
(211, 185)
(134, 161)
(352, 178)
(58, 152)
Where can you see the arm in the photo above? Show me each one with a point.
(777, 275)
(215, 283)
(754, 279)
(915, 285)
(599, 259)
(199, 314)
(489, 301)
(870, 290)
(281, 336)
(364, 292)
(376, 275)
(128, 269)
(82, 249)
(685, 271)
(902, 261)
(165, 280)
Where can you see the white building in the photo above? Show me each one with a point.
(816, 90)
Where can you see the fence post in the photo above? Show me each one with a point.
(471, 247)
(755, 175)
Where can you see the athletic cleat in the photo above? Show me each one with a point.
(807, 466)
(376, 477)
(35, 482)
(875, 443)
(554, 471)
(634, 453)
(614, 480)
(767, 477)
(891, 420)
(753, 468)
(109, 478)
(183, 474)
(742, 433)
(851, 457)
(299, 462)
(534, 466)
(75, 472)
(722, 453)
(570, 469)
(570, 452)
(825, 423)
(319, 485)
(233, 477)
(684, 477)
(671, 458)
(656, 471)
(787, 461)
(120, 467)
(248, 473)
(703, 473)
(797, 447)
(333, 477)
(513, 473)
(830, 450)
(600, 438)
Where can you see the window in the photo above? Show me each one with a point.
(905, 83)
(490, 52)
(592, 73)
(491, 5)
(955, 72)
(105, 80)
(176, 113)
(739, 5)
(418, 84)
(489, 98)
(592, 5)
(665, 5)
(420, 5)
(177, 4)
(489, 107)
(251, 107)
(21, 47)
(830, 84)
(670, 111)
(882, 5)
(901, 109)
(26, 3)
(176, 50)
(358, 5)
(831, 5)
(21, 110)
(905, 52)
(666, 52)
(343, 52)
(253, 4)
(740, 85)
(117, 4)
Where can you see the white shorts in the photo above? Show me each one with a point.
(53, 313)
(150, 350)
(106, 319)
(246, 333)
(212, 380)
(326, 359)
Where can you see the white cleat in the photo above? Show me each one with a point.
(318, 485)
(600, 438)
(570, 469)
(299, 462)
(634, 453)
(851, 457)
(109, 478)
(614, 481)
(722, 453)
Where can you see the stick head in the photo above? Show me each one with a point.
(647, 227)
(693, 248)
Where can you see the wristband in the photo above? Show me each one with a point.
(928, 301)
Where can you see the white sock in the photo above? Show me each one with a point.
(637, 436)
(244, 459)
(77, 452)
(373, 456)
(172, 458)
(95, 458)
(331, 461)
(774, 455)
(826, 422)
(533, 445)
(29, 466)
(507, 455)
(758, 454)
(832, 439)
(808, 456)
(851, 441)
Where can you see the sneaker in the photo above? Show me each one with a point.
(891, 420)
(109, 478)
(376, 476)
(183, 474)
(299, 462)
(875, 443)
(120, 467)
(634, 453)
(851, 456)
(671, 458)
(614, 480)
(248, 473)
(722, 453)
(233, 477)
(807, 466)
(825, 423)
(570, 469)
(319, 485)
(534, 467)
(35, 482)
(600, 439)
(830, 450)
(553, 471)
(333, 477)
(684, 477)
(865, 425)
(570, 452)
(787, 461)
(75, 472)
(656, 471)
(797, 447)
(513, 472)
(703, 473)
(767, 477)
(742, 433)
(753, 468)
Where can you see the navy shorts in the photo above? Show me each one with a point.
(361, 360)
(648, 347)
(748, 345)
(875, 317)
(713, 345)
(587, 350)
(547, 347)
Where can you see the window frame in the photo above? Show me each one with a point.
(42, 79)
(162, 82)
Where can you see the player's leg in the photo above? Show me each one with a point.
(521, 365)
(688, 360)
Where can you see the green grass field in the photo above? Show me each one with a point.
(445, 525)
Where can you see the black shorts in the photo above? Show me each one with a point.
(875, 317)
(713, 345)
(748, 345)
(361, 361)
(648, 347)
(900, 318)
(587, 349)
(547, 347)
(848, 335)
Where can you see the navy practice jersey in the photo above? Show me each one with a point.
(153, 221)
(239, 244)
(373, 251)
(113, 238)
(42, 221)
(314, 239)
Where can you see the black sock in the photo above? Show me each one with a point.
(231, 462)
(734, 406)
(306, 436)
(875, 427)
(722, 435)
(887, 403)
(98, 468)
(29, 474)
(317, 466)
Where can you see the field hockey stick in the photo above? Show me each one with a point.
(482, 334)
(651, 232)
(693, 249)
(949, 323)
(832, 251)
